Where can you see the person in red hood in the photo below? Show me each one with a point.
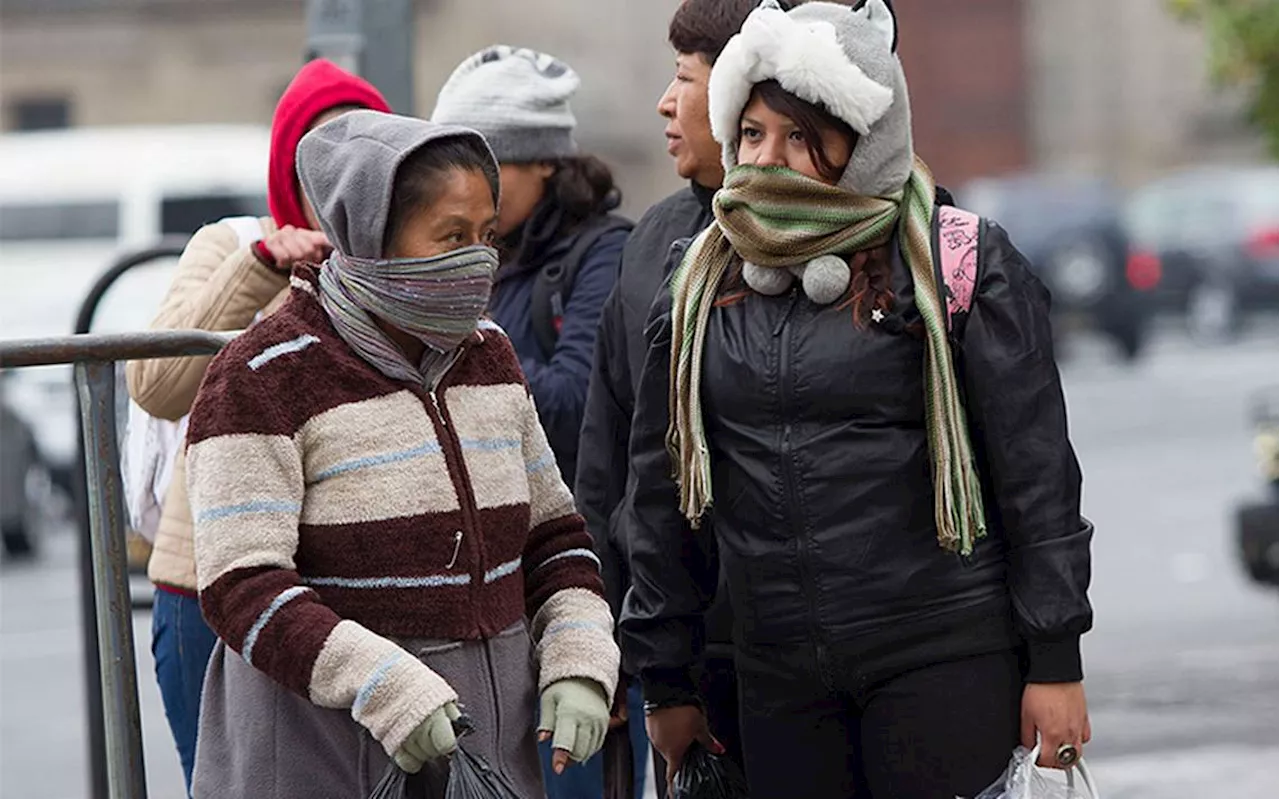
(231, 273)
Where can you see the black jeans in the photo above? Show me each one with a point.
(718, 686)
(816, 728)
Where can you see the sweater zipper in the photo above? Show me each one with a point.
(461, 481)
(792, 484)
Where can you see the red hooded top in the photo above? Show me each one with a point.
(318, 86)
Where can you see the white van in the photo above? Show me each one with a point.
(71, 202)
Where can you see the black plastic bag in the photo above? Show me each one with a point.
(704, 775)
(463, 776)
(393, 785)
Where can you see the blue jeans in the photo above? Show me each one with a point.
(181, 643)
(586, 780)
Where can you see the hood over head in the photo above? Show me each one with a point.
(347, 168)
(318, 87)
(836, 56)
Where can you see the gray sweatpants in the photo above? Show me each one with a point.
(258, 739)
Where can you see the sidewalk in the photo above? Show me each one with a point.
(1226, 772)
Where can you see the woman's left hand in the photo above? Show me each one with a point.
(1060, 714)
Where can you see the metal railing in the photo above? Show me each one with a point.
(94, 359)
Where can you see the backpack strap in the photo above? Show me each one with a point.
(956, 249)
(554, 282)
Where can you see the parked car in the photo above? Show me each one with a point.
(1213, 235)
(1258, 521)
(1070, 230)
(19, 461)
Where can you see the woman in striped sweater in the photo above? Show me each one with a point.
(382, 536)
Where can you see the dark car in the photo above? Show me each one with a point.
(1070, 229)
(1212, 234)
(19, 459)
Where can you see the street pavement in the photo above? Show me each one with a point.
(1182, 664)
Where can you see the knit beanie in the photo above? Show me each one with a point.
(517, 98)
(836, 56)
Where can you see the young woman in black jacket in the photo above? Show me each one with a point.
(890, 491)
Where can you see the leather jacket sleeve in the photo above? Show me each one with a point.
(674, 568)
(1018, 415)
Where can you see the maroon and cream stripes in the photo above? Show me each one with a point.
(337, 510)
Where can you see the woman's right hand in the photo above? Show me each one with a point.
(290, 245)
(430, 740)
(672, 730)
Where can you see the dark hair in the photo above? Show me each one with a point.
(582, 187)
(704, 27)
(811, 119)
(417, 182)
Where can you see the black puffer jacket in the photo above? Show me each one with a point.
(823, 512)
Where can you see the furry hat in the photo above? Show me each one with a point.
(840, 57)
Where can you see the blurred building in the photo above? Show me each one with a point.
(997, 85)
(115, 62)
(1121, 88)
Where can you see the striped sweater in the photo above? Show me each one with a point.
(337, 510)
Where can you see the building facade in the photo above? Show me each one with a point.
(1117, 88)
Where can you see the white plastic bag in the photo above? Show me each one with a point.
(1023, 780)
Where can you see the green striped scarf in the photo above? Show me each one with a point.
(777, 218)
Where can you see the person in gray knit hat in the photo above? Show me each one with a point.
(560, 244)
(560, 252)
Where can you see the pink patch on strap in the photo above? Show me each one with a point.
(958, 257)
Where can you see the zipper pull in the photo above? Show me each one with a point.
(786, 315)
(457, 547)
(435, 402)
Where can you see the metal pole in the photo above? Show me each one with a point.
(387, 58)
(372, 38)
(96, 737)
(126, 772)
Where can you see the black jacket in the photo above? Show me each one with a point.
(619, 354)
(823, 504)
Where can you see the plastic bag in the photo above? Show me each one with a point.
(470, 777)
(463, 776)
(705, 775)
(1024, 780)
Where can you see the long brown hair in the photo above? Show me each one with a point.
(871, 282)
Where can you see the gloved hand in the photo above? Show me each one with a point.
(430, 740)
(575, 715)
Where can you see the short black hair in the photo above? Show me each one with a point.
(417, 181)
(704, 27)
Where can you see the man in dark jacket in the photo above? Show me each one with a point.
(699, 30)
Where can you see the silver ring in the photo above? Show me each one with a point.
(1068, 755)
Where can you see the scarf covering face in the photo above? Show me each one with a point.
(436, 300)
(777, 218)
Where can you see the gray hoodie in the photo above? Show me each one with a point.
(347, 168)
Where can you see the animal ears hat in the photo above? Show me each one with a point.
(843, 58)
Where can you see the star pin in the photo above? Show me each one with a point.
(877, 315)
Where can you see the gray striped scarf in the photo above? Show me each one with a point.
(436, 300)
